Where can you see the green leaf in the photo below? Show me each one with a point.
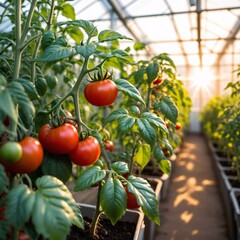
(54, 206)
(109, 35)
(122, 56)
(158, 153)
(113, 199)
(7, 105)
(147, 132)
(120, 167)
(20, 97)
(152, 71)
(68, 11)
(57, 165)
(165, 166)
(139, 75)
(86, 50)
(145, 196)
(139, 46)
(88, 27)
(116, 115)
(168, 145)
(125, 124)
(76, 34)
(20, 200)
(168, 109)
(55, 52)
(165, 58)
(142, 157)
(155, 120)
(89, 177)
(29, 89)
(3, 180)
(129, 89)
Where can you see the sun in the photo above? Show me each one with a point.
(202, 80)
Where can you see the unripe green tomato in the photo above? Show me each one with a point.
(10, 152)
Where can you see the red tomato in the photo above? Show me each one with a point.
(157, 81)
(2, 209)
(59, 140)
(31, 159)
(101, 93)
(108, 145)
(7, 121)
(86, 152)
(131, 200)
(178, 126)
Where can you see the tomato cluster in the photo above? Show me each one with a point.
(65, 140)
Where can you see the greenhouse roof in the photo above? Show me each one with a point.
(192, 32)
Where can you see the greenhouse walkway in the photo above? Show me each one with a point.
(193, 208)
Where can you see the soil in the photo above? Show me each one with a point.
(235, 183)
(105, 231)
(225, 163)
(230, 172)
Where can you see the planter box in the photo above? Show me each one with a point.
(226, 188)
(156, 173)
(131, 216)
(235, 197)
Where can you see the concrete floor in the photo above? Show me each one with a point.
(193, 209)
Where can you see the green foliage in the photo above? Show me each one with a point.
(49, 206)
(113, 199)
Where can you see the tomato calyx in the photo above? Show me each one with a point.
(99, 76)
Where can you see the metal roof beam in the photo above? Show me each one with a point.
(199, 32)
(175, 13)
(124, 19)
(178, 34)
(230, 39)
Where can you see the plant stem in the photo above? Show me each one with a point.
(49, 23)
(18, 31)
(97, 214)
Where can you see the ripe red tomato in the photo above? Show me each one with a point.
(178, 126)
(131, 200)
(157, 81)
(59, 140)
(86, 152)
(31, 159)
(101, 93)
(2, 209)
(108, 145)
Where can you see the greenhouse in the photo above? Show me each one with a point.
(119, 119)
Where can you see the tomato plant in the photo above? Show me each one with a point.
(10, 152)
(59, 140)
(31, 159)
(86, 152)
(109, 145)
(101, 92)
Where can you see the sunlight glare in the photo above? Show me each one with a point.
(202, 78)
